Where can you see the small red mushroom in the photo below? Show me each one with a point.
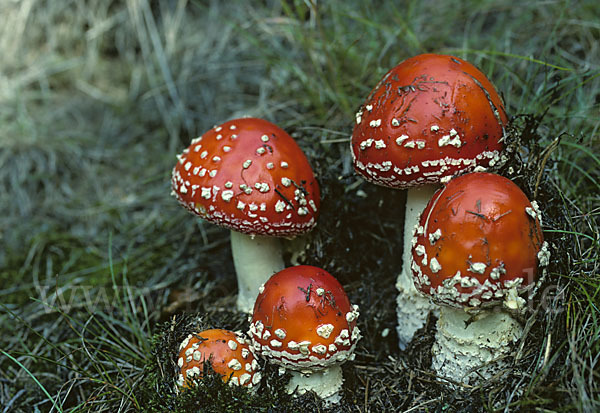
(477, 239)
(303, 321)
(478, 243)
(429, 118)
(250, 176)
(228, 352)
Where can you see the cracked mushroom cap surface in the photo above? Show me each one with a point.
(478, 242)
(429, 118)
(228, 352)
(248, 175)
(303, 320)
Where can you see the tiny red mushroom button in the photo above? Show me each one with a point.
(303, 320)
(248, 175)
(228, 352)
(478, 241)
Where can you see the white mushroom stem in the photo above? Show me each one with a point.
(325, 383)
(256, 258)
(471, 349)
(413, 308)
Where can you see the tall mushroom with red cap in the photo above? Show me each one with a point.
(304, 322)
(429, 118)
(478, 244)
(250, 176)
(227, 351)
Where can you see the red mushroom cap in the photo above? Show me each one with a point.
(228, 352)
(303, 320)
(478, 238)
(428, 118)
(250, 176)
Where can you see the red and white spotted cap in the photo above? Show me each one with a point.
(479, 241)
(228, 352)
(248, 175)
(303, 320)
(429, 118)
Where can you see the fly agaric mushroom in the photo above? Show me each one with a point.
(228, 352)
(478, 244)
(429, 118)
(303, 321)
(250, 176)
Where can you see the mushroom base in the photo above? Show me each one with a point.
(325, 383)
(471, 349)
(256, 258)
(413, 308)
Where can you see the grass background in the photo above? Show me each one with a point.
(96, 98)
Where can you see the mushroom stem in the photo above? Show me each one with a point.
(256, 258)
(413, 308)
(325, 383)
(469, 348)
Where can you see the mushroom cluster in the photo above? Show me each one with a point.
(429, 118)
(250, 176)
(473, 243)
(478, 244)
